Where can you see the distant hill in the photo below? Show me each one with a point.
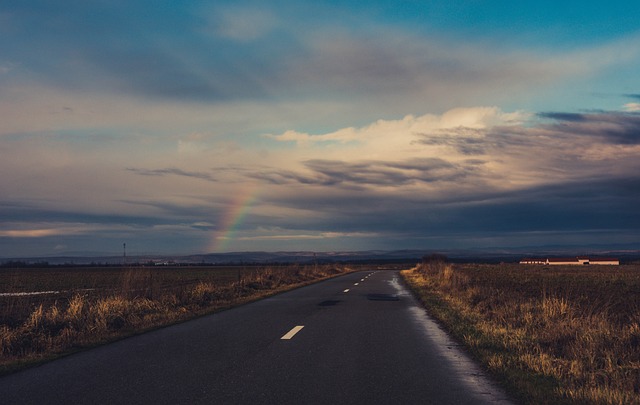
(624, 253)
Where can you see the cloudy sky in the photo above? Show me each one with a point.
(211, 126)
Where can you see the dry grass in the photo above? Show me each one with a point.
(552, 335)
(51, 329)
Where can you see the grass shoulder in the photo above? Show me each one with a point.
(550, 337)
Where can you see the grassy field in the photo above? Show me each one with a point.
(552, 335)
(79, 307)
(56, 284)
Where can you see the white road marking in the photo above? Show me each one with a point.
(362, 279)
(346, 291)
(292, 333)
(356, 283)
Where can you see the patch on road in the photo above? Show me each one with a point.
(383, 297)
(328, 303)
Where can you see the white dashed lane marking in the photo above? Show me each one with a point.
(346, 291)
(292, 333)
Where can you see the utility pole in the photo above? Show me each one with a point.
(124, 254)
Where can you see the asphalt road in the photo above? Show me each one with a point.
(355, 339)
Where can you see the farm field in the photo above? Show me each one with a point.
(50, 311)
(79, 277)
(23, 288)
(560, 334)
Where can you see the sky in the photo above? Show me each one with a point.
(215, 126)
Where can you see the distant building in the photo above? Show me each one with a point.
(605, 260)
(533, 261)
(563, 261)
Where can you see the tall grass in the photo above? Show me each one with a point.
(86, 319)
(553, 336)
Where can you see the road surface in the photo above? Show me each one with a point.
(355, 339)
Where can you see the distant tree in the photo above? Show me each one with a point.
(14, 264)
(434, 258)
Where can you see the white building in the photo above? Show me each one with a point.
(581, 260)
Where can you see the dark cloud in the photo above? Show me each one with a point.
(560, 116)
(609, 127)
(172, 171)
(160, 50)
(365, 173)
(282, 177)
(467, 141)
(39, 213)
(567, 130)
(602, 205)
(155, 74)
(634, 96)
(202, 215)
(372, 173)
(576, 206)
(143, 48)
(608, 207)
(181, 213)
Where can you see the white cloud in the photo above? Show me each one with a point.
(632, 107)
(407, 127)
(396, 140)
(40, 230)
(462, 151)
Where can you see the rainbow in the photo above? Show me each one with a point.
(232, 219)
